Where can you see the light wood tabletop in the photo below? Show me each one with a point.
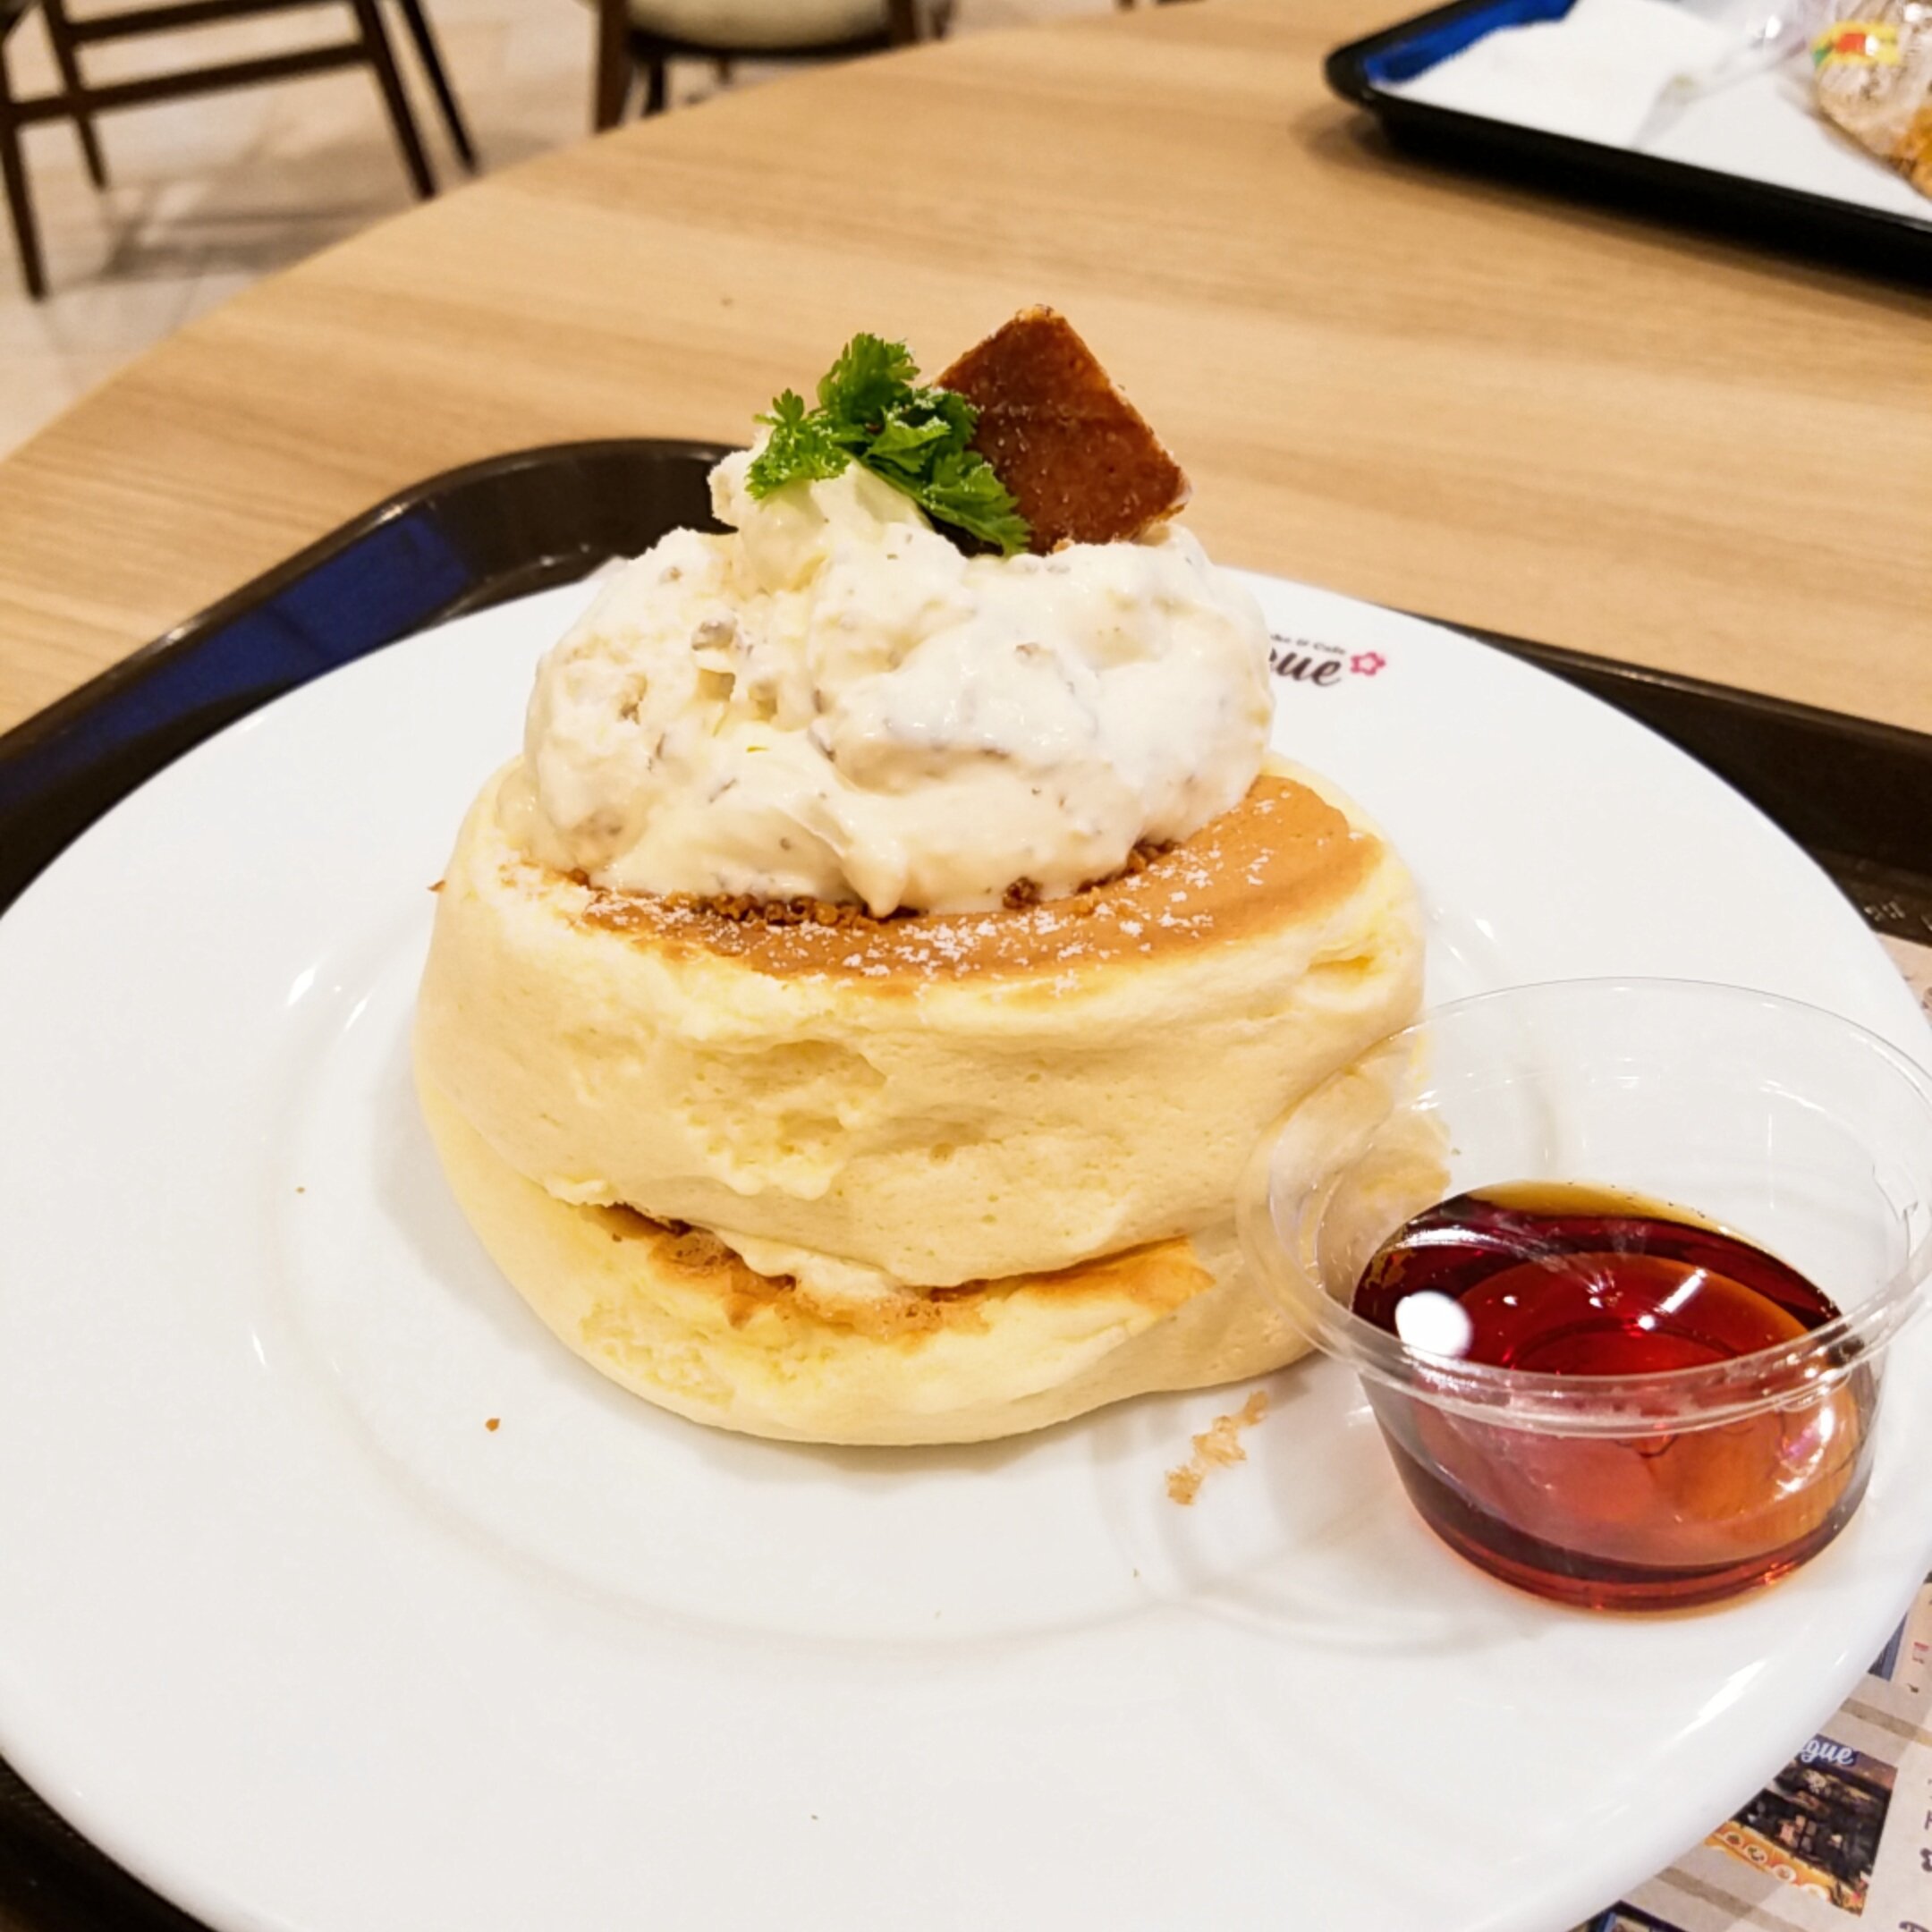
(1457, 397)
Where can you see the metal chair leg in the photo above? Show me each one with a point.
(614, 65)
(33, 270)
(59, 32)
(430, 55)
(375, 45)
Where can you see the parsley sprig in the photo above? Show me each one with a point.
(872, 410)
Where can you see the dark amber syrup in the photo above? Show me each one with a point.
(1577, 1280)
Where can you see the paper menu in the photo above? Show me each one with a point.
(1840, 1840)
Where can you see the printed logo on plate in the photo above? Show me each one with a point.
(1309, 661)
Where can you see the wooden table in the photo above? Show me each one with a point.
(1458, 398)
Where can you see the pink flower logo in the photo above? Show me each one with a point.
(1367, 663)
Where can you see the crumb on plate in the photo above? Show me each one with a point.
(1217, 1446)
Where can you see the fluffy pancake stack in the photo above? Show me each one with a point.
(791, 1168)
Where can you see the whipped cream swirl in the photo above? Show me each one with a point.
(834, 702)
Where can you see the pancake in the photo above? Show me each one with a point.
(673, 1316)
(798, 1172)
(923, 1101)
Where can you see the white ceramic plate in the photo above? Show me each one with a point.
(290, 1632)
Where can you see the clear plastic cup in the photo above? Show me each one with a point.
(1802, 1134)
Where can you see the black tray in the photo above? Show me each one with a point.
(1858, 795)
(1874, 239)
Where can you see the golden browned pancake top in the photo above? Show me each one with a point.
(1284, 855)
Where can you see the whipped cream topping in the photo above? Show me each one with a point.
(834, 702)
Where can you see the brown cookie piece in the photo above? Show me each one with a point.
(1077, 456)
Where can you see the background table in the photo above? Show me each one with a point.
(1457, 397)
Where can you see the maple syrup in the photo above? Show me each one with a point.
(1577, 1280)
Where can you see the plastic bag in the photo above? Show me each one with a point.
(1873, 74)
